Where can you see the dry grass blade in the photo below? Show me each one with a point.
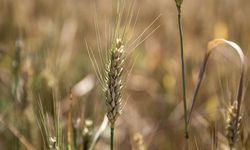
(212, 47)
(103, 126)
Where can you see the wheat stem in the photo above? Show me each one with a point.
(112, 131)
(183, 71)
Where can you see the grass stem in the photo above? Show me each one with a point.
(183, 72)
(112, 131)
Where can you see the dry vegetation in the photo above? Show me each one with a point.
(51, 96)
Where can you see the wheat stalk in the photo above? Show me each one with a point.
(110, 72)
(178, 6)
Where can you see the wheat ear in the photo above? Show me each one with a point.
(233, 126)
(114, 82)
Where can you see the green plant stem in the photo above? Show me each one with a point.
(112, 131)
(183, 73)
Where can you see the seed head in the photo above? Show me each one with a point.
(114, 81)
(233, 128)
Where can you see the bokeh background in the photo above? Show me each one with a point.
(54, 56)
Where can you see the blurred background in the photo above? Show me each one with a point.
(43, 54)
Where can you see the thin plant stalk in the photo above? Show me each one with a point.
(112, 133)
(178, 5)
(70, 124)
(16, 66)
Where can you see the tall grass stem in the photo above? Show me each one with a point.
(112, 131)
(183, 73)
